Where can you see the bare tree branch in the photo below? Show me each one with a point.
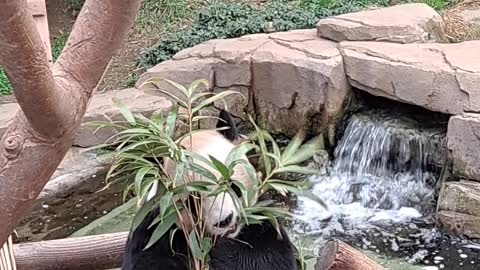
(87, 52)
(24, 59)
(52, 109)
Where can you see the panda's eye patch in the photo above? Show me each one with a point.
(237, 190)
(224, 223)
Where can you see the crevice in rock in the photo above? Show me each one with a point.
(306, 52)
(378, 55)
(352, 21)
(294, 99)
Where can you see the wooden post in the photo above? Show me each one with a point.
(336, 255)
(80, 253)
(38, 9)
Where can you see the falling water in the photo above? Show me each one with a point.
(383, 172)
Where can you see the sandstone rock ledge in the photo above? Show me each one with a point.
(438, 77)
(292, 80)
(407, 23)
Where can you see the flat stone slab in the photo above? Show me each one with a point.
(464, 142)
(291, 80)
(438, 77)
(100, 109)
(406, 23)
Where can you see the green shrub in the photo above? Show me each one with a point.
(75, 5)
(5, 87)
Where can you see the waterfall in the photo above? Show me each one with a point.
(383, 171)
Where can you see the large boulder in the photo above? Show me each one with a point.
(439, 77)
(464, 142)
(101, 108)
(407, 23)
(291, 80)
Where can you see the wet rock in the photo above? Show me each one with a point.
(402, 23)
(462, 197)
(75, 183)
(461, 224)
(464, 142)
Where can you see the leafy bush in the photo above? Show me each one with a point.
(5, 87)
(141, 144)
(229, 20)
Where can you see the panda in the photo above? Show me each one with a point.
(252, 247)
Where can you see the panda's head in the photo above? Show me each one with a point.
(219, 212)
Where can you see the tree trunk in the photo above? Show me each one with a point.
(53, 100)
(336, 255)
(82, 253)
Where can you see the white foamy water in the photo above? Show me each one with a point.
(379, 176)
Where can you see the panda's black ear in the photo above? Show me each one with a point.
(226, 120)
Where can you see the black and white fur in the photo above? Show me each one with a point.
(253, 247)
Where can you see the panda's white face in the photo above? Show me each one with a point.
(221, 215)
(219, 212)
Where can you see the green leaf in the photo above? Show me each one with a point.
(143, 212)
(200, 170)
(161, 229)
(297, 169)
(171, 120)
(239, 152)
(139, 175)
(306, 151)
(263, 147)
(179, 171)
(194, 85)
(165, 201)
(178, 86)
(194, 246)
(211, 100)
(124, 111)
(293, 146)
(222, 169)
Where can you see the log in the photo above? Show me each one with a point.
(337, 255)
(80, 253)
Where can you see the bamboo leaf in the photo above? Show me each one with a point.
(194, 85)
(222, 169)
(164, 225)
(140, 174)
(194, 246)
(306, 151)
(124, 111)
(293, 146)
(171, 120)
(211, 100)
(239, 152)
(178, 86)
(297, 169)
